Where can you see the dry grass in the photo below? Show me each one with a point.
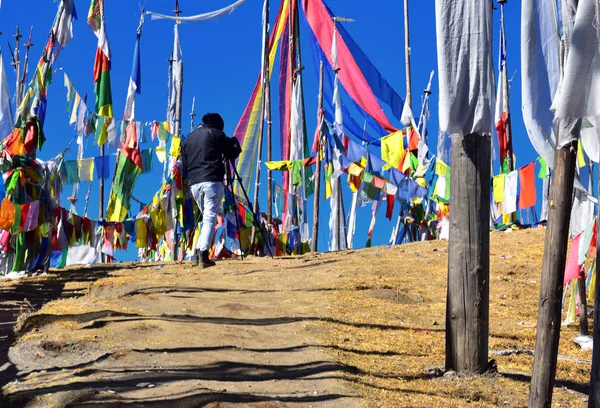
(408, 288)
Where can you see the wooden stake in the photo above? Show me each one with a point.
(314, 244)
(553, 270)
(467, 309)
(28, 45)
(583, 320)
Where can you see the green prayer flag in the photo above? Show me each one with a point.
(543, 169)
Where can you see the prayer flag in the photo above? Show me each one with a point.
(7, 214)
(126, 175)
(573, 269)
(86, 169)
(72, 171)
(464, 40)
(392, 148)
(6, 116)
(135, 81)
(509, 205)
(543, 169)
(102, 62)
(147, 160)
(578, 95)
(498, 187)
(527, 196)
(540, 73)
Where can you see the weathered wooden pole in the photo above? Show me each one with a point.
(583, 320)
(28, 45)
(17, 65)
(193, 115)
(466, 114)
(314, 243)
(553, 269)
(261, 126)
(467, 308)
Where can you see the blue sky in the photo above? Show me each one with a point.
(222, 61)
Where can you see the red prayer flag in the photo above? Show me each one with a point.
(527, 180)
(390, 206)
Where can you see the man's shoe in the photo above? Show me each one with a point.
(196, 258)
(205, 261)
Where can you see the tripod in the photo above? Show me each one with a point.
(229, 166)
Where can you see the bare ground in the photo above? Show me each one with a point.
(348, 329)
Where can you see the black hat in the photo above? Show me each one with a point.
(213, 120)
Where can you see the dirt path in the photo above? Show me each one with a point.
(348, 329)
(248, 332)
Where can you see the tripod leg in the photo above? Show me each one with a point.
(256, 223)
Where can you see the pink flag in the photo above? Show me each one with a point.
(573, 268)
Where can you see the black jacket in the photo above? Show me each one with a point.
(202, 154)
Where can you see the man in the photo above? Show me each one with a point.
(202, 154)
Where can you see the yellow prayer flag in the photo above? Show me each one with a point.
(328, 189)
(85, 168)
(498, 186)
(175, 146)
(279, 165)
(580, 156)
(441, 168)
(392, 148)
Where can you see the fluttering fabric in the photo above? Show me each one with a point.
(579, 92)
(102, 88)
(464, 35)
(351, 75)
(511, 181)
(247, 129)
(540, 73)
(135, 81)
(199, 17)
(6, 116)
(527, 195)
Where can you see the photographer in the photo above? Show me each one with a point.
(202, 154)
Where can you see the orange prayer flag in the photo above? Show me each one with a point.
(7, 214)
(413, 139)
(527, 196)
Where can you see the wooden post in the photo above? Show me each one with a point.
(407, 54)
(269, 152)
(28, 45)
(101, 197)
(583, 320)
(17, 65)
(261, 125)
(314, 244)
(553, 270)
(467, 309)
(193, 115)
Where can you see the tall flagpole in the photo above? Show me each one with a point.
(407, 54)
(506, 92)
(314, 243)
(261, 126)
(177, 126)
